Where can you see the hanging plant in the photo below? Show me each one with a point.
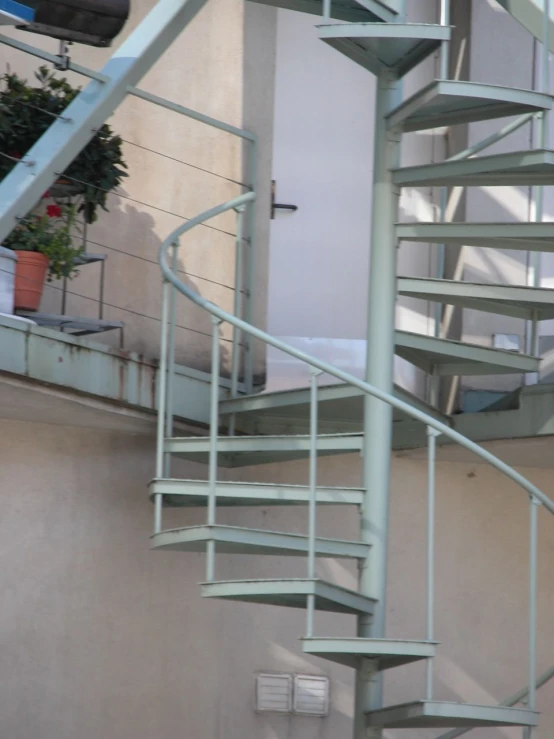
(27, 111)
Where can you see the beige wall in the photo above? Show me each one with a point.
(222, 66)
(101, 637)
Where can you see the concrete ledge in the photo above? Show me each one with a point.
(57, 376)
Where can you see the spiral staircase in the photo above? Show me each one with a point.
(356, 416)
(256, 429)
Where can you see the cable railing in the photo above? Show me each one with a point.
(435, 428)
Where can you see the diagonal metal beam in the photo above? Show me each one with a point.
(66, 137)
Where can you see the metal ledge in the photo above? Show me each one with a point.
(507, 300)
(520, 236)
(516, 168)
(194, 493)
(387, 652)
(379, 47)
(438, 715)
(291, 593)
(238, 540)
(447, 103)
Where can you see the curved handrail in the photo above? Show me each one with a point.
(346, 377)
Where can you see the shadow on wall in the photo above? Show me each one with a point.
(130, 238)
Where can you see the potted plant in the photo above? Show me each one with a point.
(43, 244)
(26, 111)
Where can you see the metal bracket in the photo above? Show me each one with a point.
(433, 432)
(63, 57)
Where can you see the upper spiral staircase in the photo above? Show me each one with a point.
(356, 415)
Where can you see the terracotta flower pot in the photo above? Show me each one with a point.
(30, 275)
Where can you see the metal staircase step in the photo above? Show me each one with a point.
(340, 409)
(194, 493)
(516, 168)
(379, 47)
(387, 652)
(344, 10)
(506, 300)
(242, 451)
(448, 102)
(427, 714)
(446, 358)
(521, 236)
(238, 540)
(292, 593)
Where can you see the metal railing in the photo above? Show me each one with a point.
(434, 428)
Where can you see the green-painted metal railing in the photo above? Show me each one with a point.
(434, 427)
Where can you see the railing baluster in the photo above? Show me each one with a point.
(533, 534)
(237, 312)
(327, 10)
(171, 361)
(313, 496)
(431, 459)
(212, 464)
(162, 397)
(250, 271)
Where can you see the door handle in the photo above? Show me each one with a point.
(278, 206)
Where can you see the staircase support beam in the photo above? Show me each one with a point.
(379, 372)
(24, 186)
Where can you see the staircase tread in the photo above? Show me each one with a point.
(267, 532)
(350, 651)
(517, 301)
(445, 714)
(385, 46)
(236, 483)
(526, 167)
(291, 593)
(449, 102)
(243, 540)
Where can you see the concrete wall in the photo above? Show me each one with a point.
(101, 637)
(221, 66)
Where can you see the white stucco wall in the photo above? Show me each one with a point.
(102, 637)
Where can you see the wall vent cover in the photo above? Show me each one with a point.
(274, 692)
(311, 695)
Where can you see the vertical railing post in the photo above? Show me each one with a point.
(312, 504)
(441, 249)
(430, 565)
(252, 168)
(327, 10)
(537, 202)
(212, 462)
(171, 360)
(162, 398)
(533, 535)
(237, 312)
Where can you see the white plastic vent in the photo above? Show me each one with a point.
(311, 695)
(274, 692)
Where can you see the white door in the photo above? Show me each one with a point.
(322, 162)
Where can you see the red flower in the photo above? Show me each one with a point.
(53, 211)
(46, 195)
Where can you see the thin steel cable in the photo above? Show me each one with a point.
(153, 261)
(187, 164)
(118, 307)
(140, 202)
(34, 107)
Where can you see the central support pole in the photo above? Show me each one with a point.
(379, 372)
